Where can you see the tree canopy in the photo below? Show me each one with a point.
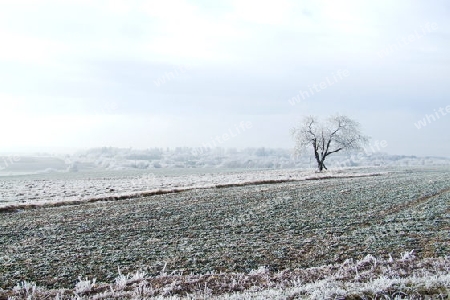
(337, 133)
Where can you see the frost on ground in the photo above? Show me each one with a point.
(369, 278)
(24, 192)
(313, 238)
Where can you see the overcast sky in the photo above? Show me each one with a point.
(171, 73)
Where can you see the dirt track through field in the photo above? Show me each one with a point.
(13, 208)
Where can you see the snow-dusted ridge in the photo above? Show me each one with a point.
(136, 187)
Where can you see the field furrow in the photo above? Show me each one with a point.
(231, 229)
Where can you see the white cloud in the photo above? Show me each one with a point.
(181, 32)
(264, 11)
(9, 105)
(120, 7)
(62, 58)
(28, 49)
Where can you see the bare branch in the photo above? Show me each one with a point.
(337, 133)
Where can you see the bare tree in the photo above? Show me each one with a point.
(337, 133)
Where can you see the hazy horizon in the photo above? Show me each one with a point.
(143, 74)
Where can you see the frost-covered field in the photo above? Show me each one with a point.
(405, 277)
(283, 239)
(87, 186)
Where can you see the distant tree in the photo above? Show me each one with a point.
(260, 152)
(336, 134)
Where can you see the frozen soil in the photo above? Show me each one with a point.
(63, 187)
(233, 229)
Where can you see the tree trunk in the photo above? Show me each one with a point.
(320, 162)
(320, 166)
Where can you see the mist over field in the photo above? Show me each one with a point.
(179, 73)
(229, 149)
